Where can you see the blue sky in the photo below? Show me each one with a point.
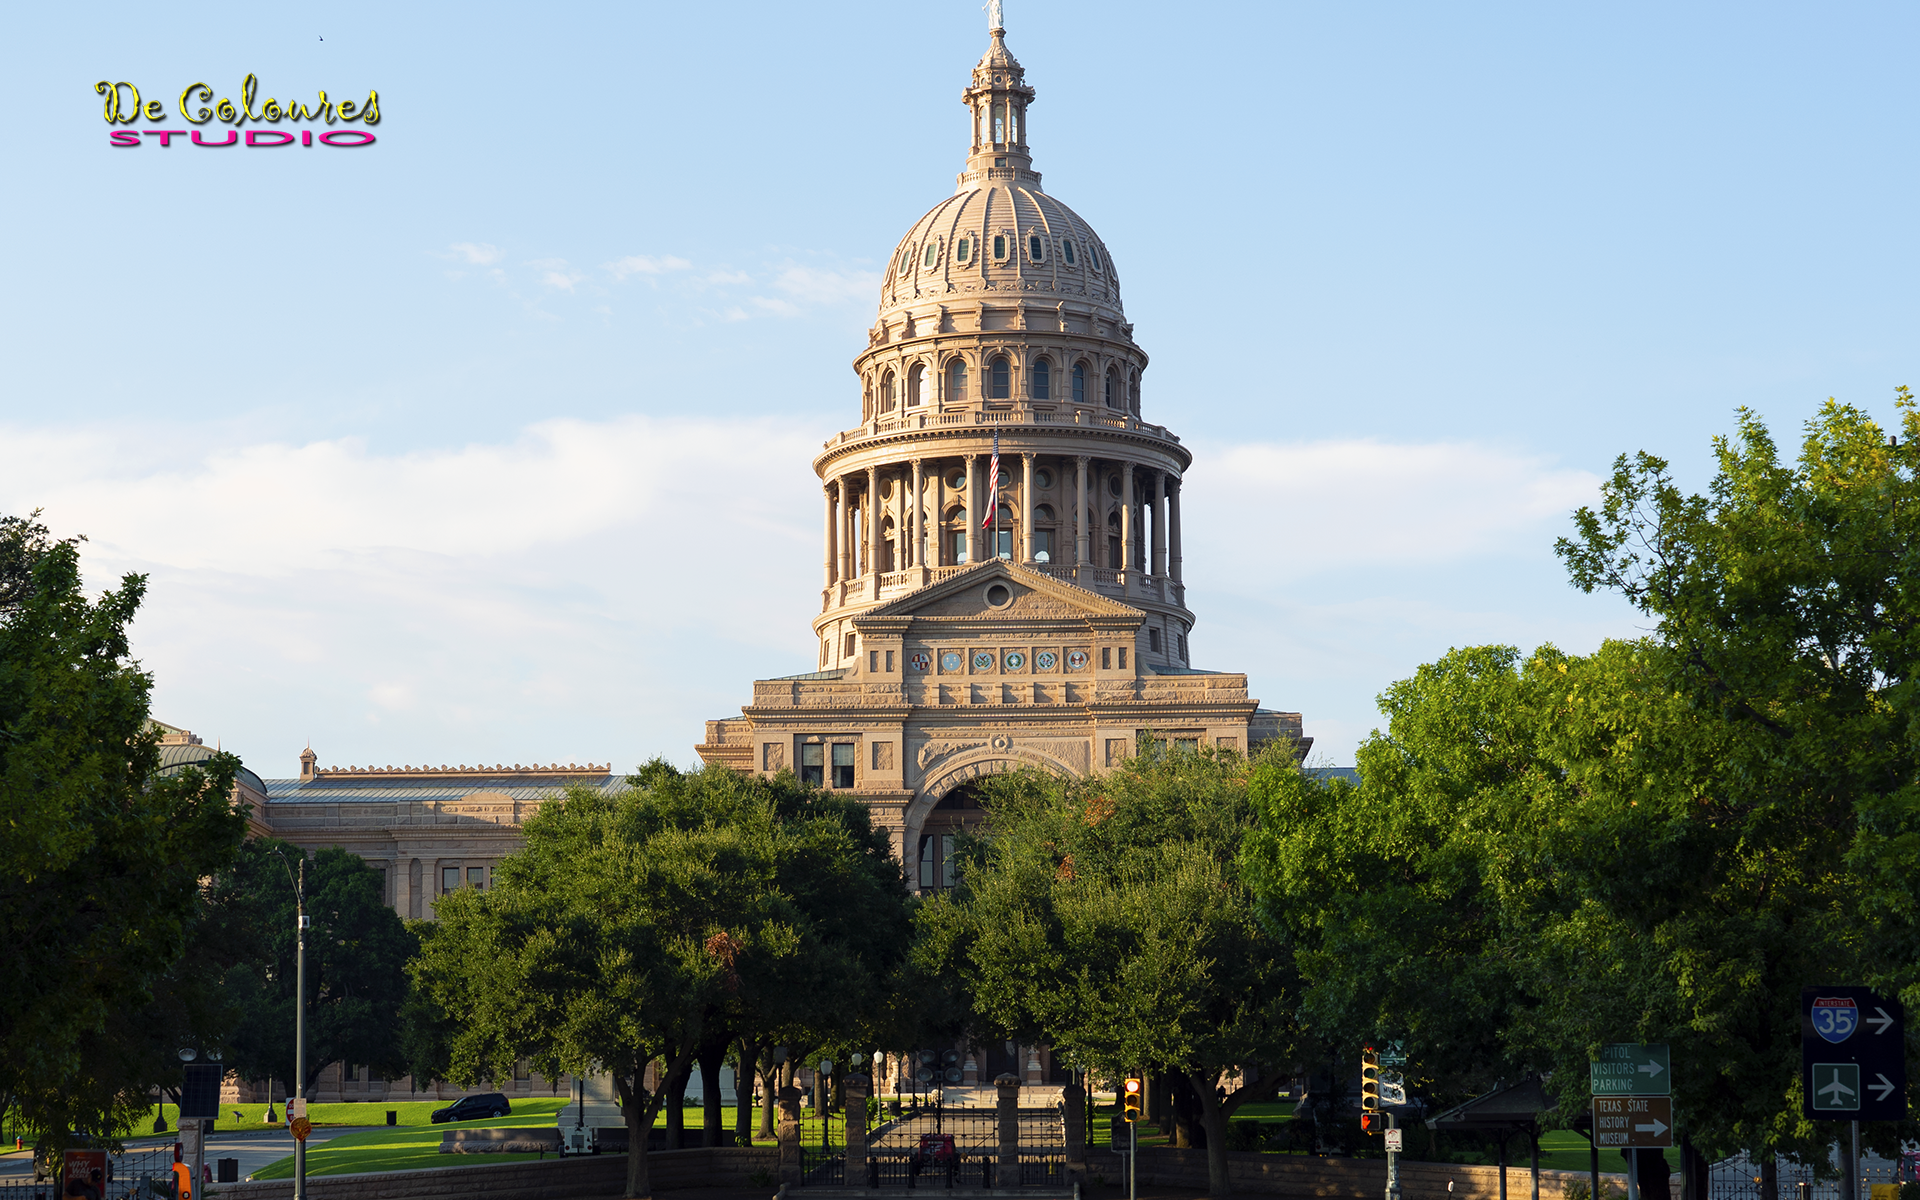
(491, 440)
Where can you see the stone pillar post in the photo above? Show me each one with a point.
(1159, 522)
(970, 505)
(854, 1087)
(919, 516)
(788, 1133)
(1007, 1173)
(1173, 531)
(1127, 562)
(1081, 543)
(873, 527)
(1076, 1123)
(841, 542)
(829, 537)
(1026, 509)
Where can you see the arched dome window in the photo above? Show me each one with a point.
(1113, 387)
(963, 250)
(1066, 248)
(886, 392)
(1000, 247)
(1080, 383)
(999, 378)
(1034, 249)
(1042, 379)
(916, 385)
(1093, 256)
(932, 256)
(957, 381)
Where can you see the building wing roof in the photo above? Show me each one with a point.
(401, 790)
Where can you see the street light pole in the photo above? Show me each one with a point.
(300, 1026)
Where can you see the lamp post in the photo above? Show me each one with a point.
(299, 1018)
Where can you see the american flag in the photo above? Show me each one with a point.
(993, 483)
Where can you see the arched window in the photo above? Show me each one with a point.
(999, 378)
(1042, 513)
(916, 385)
(1066, 247)
(1133, 393)
(963, 249)
(1033, 248)
(1042, 379)
(957, 381)
(1093, 256)
(1079, 383)
(932, 256)
(886, 392)
(1113, 387)
(1000, 247)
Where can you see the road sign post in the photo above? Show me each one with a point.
(1853, 1060)
(1633, 1069)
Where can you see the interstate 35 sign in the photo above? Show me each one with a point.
(1853, 1055)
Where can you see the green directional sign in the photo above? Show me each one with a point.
(1633, 1069)
(1836, 1087)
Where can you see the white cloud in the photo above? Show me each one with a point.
(817, 286)
(480, 254)
(563, 280)
(646, 264)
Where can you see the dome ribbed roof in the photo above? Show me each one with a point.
(1073, 268)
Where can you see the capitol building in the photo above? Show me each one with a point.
(1001, 570)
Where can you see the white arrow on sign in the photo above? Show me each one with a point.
(1656, 1129)
(1652, 1068)
(1884, 1087)
(1883, 1020)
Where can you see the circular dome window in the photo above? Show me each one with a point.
(999, 595)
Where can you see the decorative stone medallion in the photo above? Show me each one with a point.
(983, 660)
(920, 659)
(1045, 660)
(951, 661)
(1015, 661)
(1077, 660)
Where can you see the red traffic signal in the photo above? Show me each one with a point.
(1368, 1121)
(1130, 1099)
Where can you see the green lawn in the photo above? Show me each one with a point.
(411, 1112)
(410, 1147)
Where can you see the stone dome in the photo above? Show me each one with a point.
(1000, 237)
(1002, 240)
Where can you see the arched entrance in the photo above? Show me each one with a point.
(953, 814)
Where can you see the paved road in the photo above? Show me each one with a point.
(254, 1149)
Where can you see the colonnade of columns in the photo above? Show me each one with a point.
(857, 544)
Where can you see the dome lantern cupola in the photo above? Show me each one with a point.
(998, 98)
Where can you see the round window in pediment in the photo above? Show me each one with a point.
(999, 595)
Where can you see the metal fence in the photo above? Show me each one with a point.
(142, 1175)
(1739, 1178)
(946, 1148)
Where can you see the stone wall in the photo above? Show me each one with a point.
(1302, 1176)
(553, 1179)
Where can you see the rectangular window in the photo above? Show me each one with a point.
(889, 662)
(873, 660)
(1106, 658)
(1186, 745)
(929, 865)
(1183, 647)
(1006, 543)
(843, 764)
(1113, 554)
(1153, 640)
(1043, 545)
(959, 547)
(476, 877)
(850, 646)
(449, 879)
(813, 758)
(1123, 658)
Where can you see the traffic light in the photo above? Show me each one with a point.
(1368, 1121)
(1130, 1100)
(1369, 1081)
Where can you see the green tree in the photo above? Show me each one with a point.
(357, 955)
(632, 923)
(1109, 917)
(101, 855)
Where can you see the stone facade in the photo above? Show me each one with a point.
(974, 621)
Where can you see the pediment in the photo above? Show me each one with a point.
(1029, 595)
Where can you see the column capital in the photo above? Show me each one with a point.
(1083, 459)
(1028, 455)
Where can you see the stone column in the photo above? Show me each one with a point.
(788, 1133)
(829, 539)
(1081, 543)
(842, 543)
(970, 506)
(1127, 562)
(1159, 522)
(873, 527)
(919, 516)
(854, 1088)
(1007, 1175)
(1174, 530)
(1026, 509)
(1076, 1123)
(939, 515)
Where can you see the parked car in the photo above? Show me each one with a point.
(472, 1108)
